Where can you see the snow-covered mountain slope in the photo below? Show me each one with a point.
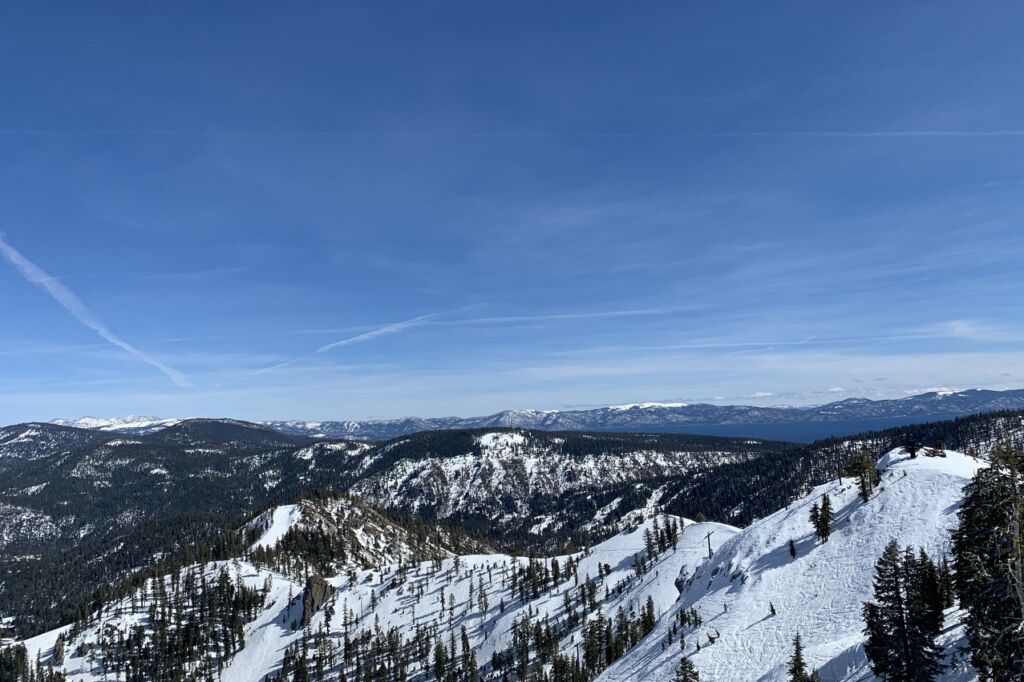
(405, 604)
(817, 594)
(274, 524)
(131, 424)
(847, 416)
(538, 483)
(335, 532)
(32, 441)
(76, 482)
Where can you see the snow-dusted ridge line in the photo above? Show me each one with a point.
(629, 416)
(646, 406)
(129, 424)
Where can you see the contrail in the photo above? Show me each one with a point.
(396, 327)
(382, 331)
(67, 298)
(387, 329)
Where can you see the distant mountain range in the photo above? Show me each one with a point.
(804, 424)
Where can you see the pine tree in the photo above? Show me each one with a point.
(924, 616)
(928, 591)
(815, 518)
(865, 488)
(867, 475)
(825, 518)
(946, 584)
(648, 618)
(797, 667)
(686, 672)
(440, 661)
(58, 649)
(986, 552)
(904, 620)
(885, 619)
(469, 669)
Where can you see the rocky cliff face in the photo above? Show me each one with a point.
(314, 596)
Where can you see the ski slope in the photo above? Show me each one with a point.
(818, 593)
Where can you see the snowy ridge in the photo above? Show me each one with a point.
(413, 596)
(934, 405)
(510, 471)
(820, 592)
(131, 424)
(33, 441)
(645, 406)
(274, 524)
(360, 537)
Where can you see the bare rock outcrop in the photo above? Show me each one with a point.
(316, 594)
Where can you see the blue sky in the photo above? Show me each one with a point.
(354, 210)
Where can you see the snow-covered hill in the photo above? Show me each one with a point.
(440, 597)
(817, 594)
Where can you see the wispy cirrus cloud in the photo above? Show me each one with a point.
(973, 330)
(74, 305)
(368, 332)
(434, 318)
(386, 330)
